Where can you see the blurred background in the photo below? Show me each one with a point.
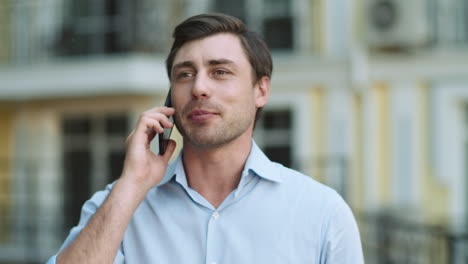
(368, 96)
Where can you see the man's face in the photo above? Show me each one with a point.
(213, 91)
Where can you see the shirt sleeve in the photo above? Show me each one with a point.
(342, 242)
(87, 211)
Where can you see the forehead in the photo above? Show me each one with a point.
(215, 47)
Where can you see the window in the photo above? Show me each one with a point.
(278, 24)
(273, 134)
(96, 26)
(273, 19)
(93, 154)
(233, 8)
(111, 26)
(449, 22)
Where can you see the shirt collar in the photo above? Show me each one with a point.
(172, 169)
(257, 163)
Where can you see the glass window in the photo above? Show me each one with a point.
(448, 22)
(95, 27)
(233, 8)
(93, 155)
(115, 164)
(277, 7)
(278, 32)
(277, 119)
(273, 134)
(76, 168)
(274, 21)
(82, 8)
(116, 124)
(278, 24)
(280, 154)
(77, 126)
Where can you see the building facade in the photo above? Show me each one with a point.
(368, 96)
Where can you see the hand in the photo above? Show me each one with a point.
(142, 167)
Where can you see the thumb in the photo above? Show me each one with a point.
(169, 150)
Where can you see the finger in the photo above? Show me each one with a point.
(171, 144)
(151, 134)
(166, 122)
(160, 117)
(167, 111)
(148, 125)
(146, 131)
(129, 137)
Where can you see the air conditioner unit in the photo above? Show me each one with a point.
(397, 24)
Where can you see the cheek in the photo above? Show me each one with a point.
(242, 102)
(237, 100)
(179, 98)
(237, 91)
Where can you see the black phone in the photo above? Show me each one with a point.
(164, 137)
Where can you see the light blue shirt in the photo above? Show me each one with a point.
(275, 215)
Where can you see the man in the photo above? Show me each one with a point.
(221, 200)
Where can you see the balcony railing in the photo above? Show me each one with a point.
(38, 31)
(388, 239)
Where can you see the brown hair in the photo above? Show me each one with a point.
(204, 25)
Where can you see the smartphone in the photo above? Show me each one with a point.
(164, 137)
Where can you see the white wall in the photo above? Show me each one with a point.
(450, 99)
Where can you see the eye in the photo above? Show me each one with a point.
(184, 75)
(221, 72)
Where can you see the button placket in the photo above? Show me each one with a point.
(213, 238)
(215, 215)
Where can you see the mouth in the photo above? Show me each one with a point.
(200, 115)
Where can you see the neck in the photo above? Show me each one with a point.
(216, 172)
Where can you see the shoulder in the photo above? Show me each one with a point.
(340, 240)
(91, 205)
(324, 202)
(306, 185)
(325, 213)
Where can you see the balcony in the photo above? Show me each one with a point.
(388, 238)
(40, 32)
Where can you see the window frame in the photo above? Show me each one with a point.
(300, 132)
(255, 17)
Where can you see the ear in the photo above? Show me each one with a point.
(262, 91)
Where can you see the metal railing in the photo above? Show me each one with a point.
(29, 240)
(40, 31)
(387, 239)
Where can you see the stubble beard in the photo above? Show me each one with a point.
(215, 133)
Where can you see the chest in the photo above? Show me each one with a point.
(181, 231)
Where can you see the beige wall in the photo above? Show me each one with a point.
(6, 155)
(435, 196)
(318, 147)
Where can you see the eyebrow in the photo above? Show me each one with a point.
(183, 64)
(190, 64)
(220, 61)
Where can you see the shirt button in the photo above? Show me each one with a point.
(215, 216)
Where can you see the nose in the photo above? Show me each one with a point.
(201, 86)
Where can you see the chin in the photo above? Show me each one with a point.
(207, 141)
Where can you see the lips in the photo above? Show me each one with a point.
(201, 115)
